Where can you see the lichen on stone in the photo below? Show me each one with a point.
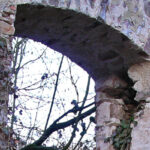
(133, 15)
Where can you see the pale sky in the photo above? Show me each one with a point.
(33, 72)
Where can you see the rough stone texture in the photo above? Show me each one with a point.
(140, 74)
(130, 17)
(110, 110)
(7, 17)
(6, 28)
(140, 133)
(99, 49)
(108, 115)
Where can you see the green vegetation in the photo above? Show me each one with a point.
(121, 138)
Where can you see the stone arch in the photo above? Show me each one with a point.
(89, 42)
(105, 53)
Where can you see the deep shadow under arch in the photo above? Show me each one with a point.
(96, 47)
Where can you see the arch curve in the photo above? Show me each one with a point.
(96, 47)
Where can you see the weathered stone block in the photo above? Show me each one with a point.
(6, 28)
(140, 74)
(102, 133)
(140, 133)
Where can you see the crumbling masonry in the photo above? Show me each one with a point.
(95, 34)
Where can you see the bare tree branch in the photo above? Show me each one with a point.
(55, 89)
(20, 45)
(54, 127)
(76, 123)
(81, 137)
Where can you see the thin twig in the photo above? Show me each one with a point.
(55, 89)
(16, 71)
(82, 137)
(76, 123)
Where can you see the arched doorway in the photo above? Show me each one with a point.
(99, 49)
(93, 45)
(103, 52)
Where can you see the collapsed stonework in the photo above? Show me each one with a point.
(105, 53)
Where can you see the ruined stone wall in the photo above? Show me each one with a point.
(7, 16)
(129, 17)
